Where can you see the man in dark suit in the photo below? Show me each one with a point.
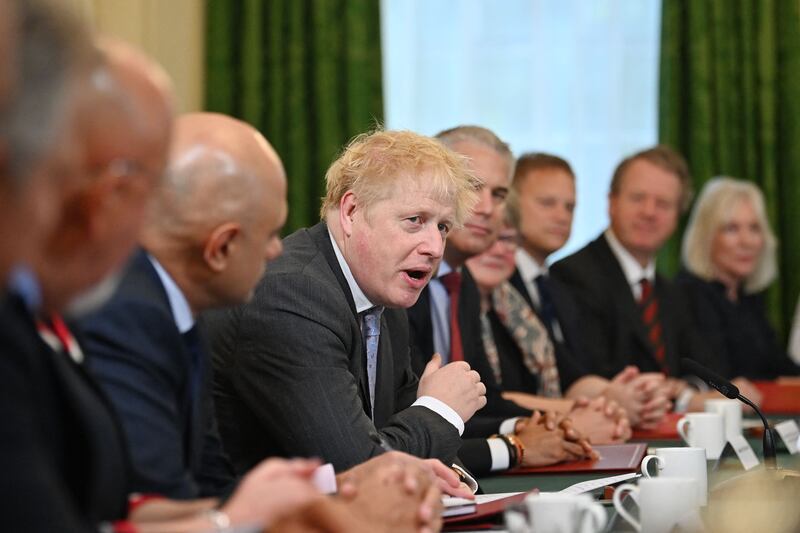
(49, 481)
(634, 316)
(317, 363)
(439, 327)
(215, 219)
(541, 208)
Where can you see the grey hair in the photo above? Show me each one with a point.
(712, 209)
(51, 45)
(478, 135)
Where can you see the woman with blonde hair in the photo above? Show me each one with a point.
(729, 259)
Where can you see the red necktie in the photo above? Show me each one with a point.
(648, 305)
(54, 331)
(452, 282)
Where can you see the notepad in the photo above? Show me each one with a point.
(613, 458)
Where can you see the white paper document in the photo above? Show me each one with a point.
(592, 484)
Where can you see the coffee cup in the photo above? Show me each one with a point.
(680, 462)
(663, 503)
(731, 411)
(556, 513)
(703, 430)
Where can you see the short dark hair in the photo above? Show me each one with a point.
(532, 161)
(665, 158)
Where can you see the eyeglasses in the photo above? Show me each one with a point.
(508, 242)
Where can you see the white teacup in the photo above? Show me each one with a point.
(731, 411)
(703, 430)
(663, 503)
(556, 513)
(681, 462)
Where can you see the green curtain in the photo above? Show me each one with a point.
(730, 102)
(306, 73)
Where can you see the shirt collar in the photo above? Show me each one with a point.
(444, 269)
(630, 266)
(529, 268)
(359, 298)
(181, 312)
(23, 283)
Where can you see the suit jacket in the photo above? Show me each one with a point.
(62, 453)
(612, 322)
(573, 356)
(474, 451)
(738, 334)
(291, 375)
(137, 354)
(469, 309)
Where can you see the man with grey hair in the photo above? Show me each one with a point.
(41, 68)
(445, 323)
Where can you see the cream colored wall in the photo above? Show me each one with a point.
(171, 31)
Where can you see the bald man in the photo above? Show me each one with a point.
(206, 237)
(208, 233)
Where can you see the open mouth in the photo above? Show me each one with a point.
(416, 274)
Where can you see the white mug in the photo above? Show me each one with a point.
(731, 411)
(556, 513)
(663, 503)
(703, 430)
(681, 462)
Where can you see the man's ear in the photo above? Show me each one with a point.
(347, 210)
(220, 245)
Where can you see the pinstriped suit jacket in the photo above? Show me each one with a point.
(290, 373)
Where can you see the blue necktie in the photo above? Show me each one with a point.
(371, 331)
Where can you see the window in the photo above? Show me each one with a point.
(575, 78)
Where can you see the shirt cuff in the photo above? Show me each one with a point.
(443, 410)
(500, 457)
(509, 425)
(324, 479)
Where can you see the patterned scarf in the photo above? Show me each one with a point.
(530, 335)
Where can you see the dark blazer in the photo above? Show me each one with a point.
(573, 356)
(612, 322)
(62, 454)
(741, 340)
(137, 354)
(474, 451)
(291, 375)
(469, 320)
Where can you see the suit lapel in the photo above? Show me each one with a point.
(618, 284)
(421, 324)
(518, 283)
(194, 426)
(321, 238)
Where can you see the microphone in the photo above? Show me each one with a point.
(729, 390)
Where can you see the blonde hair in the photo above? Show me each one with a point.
(712, 210)
(373, 162)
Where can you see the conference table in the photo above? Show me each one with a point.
(728, 467)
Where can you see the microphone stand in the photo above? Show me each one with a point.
(768, 444)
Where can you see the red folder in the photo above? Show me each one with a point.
(666, 430)
(486, 515)
(618, 458)
(779, 398)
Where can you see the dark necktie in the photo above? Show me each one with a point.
(546, 309)
(452, 283)
(193, 344)
(648, 306)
